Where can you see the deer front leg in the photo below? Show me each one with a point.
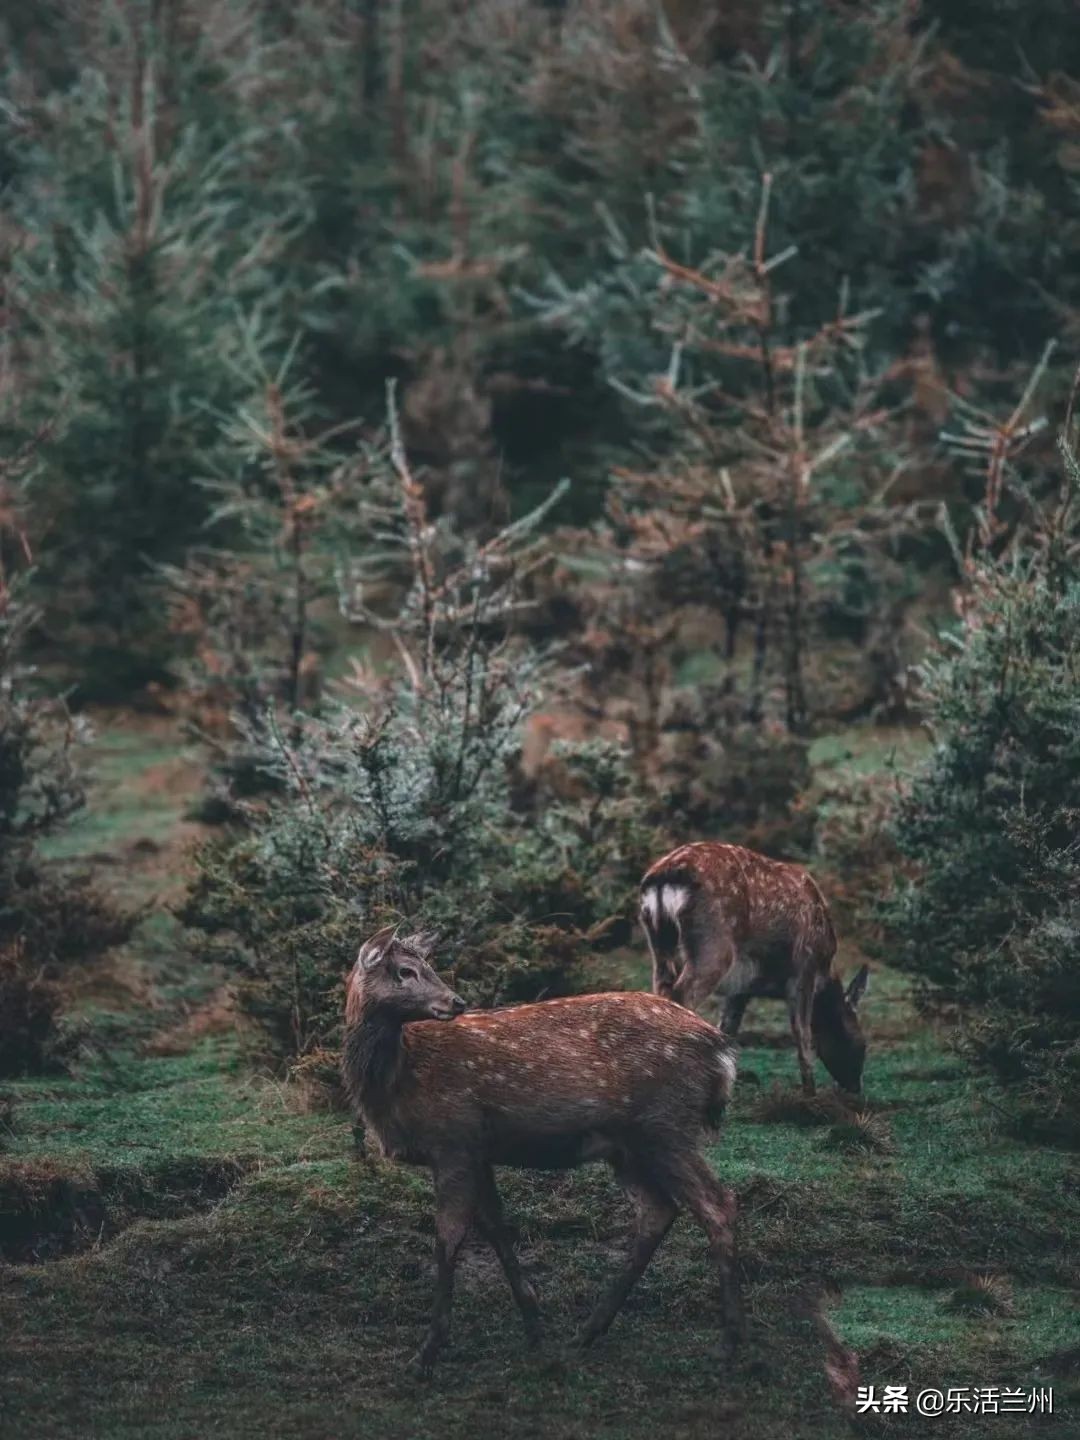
(455, 1202)
(654, 1213)
(731, 1014)
(496, 1230)
(801, 1008)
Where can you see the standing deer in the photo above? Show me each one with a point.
(627, 1078)
(724, 920)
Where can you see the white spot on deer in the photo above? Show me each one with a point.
(726, 1061)
(649, 905)
(674, 900)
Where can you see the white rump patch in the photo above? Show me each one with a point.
(726, 1061)
(650, 905)
(674, 900)
(664, 902)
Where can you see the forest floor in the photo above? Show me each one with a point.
(189, 1249)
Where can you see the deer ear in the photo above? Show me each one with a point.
(372, 951)
(858, 987)
(422, 943)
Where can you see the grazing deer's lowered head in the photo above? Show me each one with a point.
(838, 1036)
(627, 1078)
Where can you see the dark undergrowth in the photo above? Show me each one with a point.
(192, 1249)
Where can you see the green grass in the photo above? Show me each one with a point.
(140, 781)
(136, 1108)
(864, 749)
(224, 1263)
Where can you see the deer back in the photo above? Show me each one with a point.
(558, 1081)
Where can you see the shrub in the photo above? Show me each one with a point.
(411, 816)
(29, 1009)
(47, 921)
(407, 802)
(990, 913)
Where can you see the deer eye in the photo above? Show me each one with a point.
(406, 972)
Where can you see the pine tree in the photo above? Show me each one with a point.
(256, 600)
(47, 922)
(129, 251)
(988, 912)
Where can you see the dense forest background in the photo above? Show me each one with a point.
(587, 241)
(492, 441)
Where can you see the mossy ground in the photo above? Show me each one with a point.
(193, 1252)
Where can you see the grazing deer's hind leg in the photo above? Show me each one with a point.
(455, 1207)
(709, 953)
(493, 1223)
(654, 1214)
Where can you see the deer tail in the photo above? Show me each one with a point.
(722, 1083)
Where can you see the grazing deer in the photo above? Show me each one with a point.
(722, 920)
(627, 1078)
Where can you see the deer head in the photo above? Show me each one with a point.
(393, 974)
(838, 1036)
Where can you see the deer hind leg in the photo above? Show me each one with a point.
(456, 1197)
(497, 1232)
(801, 1007)
(654, 1213)
(713, 1206)
(709, 955)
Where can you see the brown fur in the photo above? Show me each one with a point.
(723, 920)
(627, 1078)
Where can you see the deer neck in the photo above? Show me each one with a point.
(372, 1056)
